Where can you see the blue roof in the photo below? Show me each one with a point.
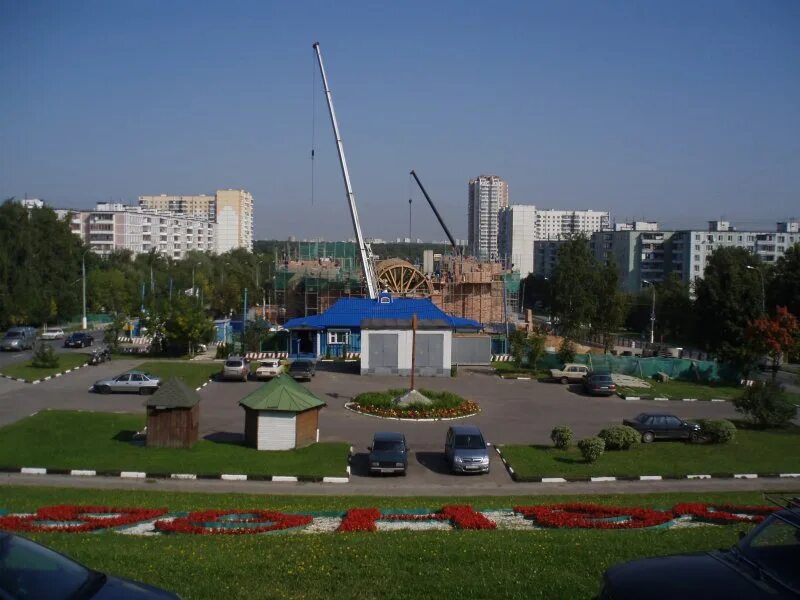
(349, 312)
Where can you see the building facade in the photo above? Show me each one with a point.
(487, 194)
(516, 235)
(554, 224)
(231, 210)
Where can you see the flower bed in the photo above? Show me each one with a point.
(460, 516)
(594, 516)
(77, 519)
(723, 513)
(232, 522)
(444, 405)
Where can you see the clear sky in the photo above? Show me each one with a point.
(679, 111)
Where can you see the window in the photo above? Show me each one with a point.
(338, 336)
(673, 422)
(123, 377)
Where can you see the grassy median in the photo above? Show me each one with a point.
(194, 374)
(104, 442)
(26, 371)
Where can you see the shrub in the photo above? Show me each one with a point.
(44, 357)
(566, 352)
(223, 350)
(591, 448)
(718, 431)
(561, 436)
(765, 404)
(619, 437)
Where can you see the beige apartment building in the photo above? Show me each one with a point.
(231, 210)
(487, 194)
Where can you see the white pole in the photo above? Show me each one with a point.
(83, 273)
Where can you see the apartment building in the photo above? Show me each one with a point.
(231, 210)
(554, 224)
(487, 194)
(113, 226)
(516, 235)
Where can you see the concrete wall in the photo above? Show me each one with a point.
(404, 343)
(472, 350)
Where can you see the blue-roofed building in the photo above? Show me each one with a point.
(338, 331)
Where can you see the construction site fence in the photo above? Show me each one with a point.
(646, 368)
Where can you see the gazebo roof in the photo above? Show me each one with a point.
(282, 394)
(173, 393)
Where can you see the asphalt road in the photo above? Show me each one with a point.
(58, 346)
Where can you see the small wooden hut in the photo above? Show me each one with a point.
(173, 416)
(281, 415)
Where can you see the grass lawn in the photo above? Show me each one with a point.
(66, 360)
(500, 564)
(684, 389)
(509, 368)
(751, 452)
(194, 374)
(101, 441)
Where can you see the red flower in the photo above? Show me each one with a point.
(359, 519)
(215, 522)
(724, 513)
(593, 516)
(460, 516)
(78, 519)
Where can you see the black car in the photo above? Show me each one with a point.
(302, 369)
(29, 570)
(764, 564)
(388, 453)
(599, 384)
(78, 339)
(658, 426)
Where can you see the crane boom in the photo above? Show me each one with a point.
(364, 249)
(436, 212)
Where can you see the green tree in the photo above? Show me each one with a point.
(674, 310)
(526, 348)
(187, 325)
(611, 304)
(784, 282)
(728, 300)
(573, 296)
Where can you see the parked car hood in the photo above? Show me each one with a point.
(387, 456)
(706, 575)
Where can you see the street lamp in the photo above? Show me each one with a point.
(193, 267)
(763, 295)
(652, 311)
(84, 323)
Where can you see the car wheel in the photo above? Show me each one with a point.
(104, 389)
(564, 380)
(695, 438)
(648, 437)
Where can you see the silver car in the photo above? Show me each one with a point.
(465, 450)
(137, 382)
(19, 338)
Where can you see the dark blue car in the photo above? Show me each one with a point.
(388, 453)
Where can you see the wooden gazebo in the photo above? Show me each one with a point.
(173, 416)
(281, 415)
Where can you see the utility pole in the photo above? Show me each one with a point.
(244, 321)
(83, 275)
(413, 348)
(652, 311)
(763, 294)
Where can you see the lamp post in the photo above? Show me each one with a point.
(652, 311)
(193, 267)
(83, 276)
(763, 294)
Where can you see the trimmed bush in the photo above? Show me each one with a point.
(561, 436)
(718, 431)
(566, 352)
(765, 404)
(619, 437)
(591, 448)
(44, 357)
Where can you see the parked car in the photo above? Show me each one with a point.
(30, 570)
(236, 367)
(52, 334)
(763, 564)
(19, 338)
(599, 384)
(78, 339)
(658, 426)
(302, 369)
(465, 450)
(137, 382)
(570, 373)
(269, 368)
(388, 453)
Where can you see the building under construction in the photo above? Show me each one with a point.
(313, 275)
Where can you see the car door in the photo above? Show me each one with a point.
(120, 383)
(448, 446)
(135, 382)
(675, 428)
(659, 426)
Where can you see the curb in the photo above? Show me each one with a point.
(608, 479)
(180, 476)
(48, 378)
(661, 399)
(210, 379)
(355, 412)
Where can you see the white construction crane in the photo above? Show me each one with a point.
(363, 247)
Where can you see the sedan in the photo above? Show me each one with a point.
(388, 453)
(52, 334)
(30, 570)
(302, 369)
(599, 384)
(654, 426)
(78, 339)
(135, 382)
(269, 369)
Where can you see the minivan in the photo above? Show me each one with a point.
(465, 450)
(236, 367)
(19, 338)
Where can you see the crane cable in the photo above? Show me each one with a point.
(313, 120)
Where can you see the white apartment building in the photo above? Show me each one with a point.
(113, 226)
(554, 224)
(232, 210)
(487, 194)
(516, 235)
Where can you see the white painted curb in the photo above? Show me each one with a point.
(600, 479)
(335, 480)
(133, 474)
(227, 477)
(745, 476)
(553, 480)
(698, 477)
(789, 475)
(649, 477)
(183, 476)
(83, 473)
(33, 471)
(284, 478)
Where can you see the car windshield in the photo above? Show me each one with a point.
(602, 378)
(469, 442)
(269, 364)
(28, 570)
(233, 363)
(299, 366)
(387, 446)
(776, 549)
(13, 334)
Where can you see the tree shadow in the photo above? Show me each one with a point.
(569, 461)
(125, 435)
(226, 437)
(338, 396)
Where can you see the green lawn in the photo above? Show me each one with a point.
(492, 564)
(66, 360)
(684, 389)
(101, 441)
(751, 452)
(505, 369)
(194, 374)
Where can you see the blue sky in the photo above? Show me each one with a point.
(675, 111)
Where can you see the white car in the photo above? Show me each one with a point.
(269, 368)
(52, 334)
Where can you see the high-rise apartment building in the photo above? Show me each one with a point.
(554, 224)
(232, 210)
(487, 194)
(516, 235)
